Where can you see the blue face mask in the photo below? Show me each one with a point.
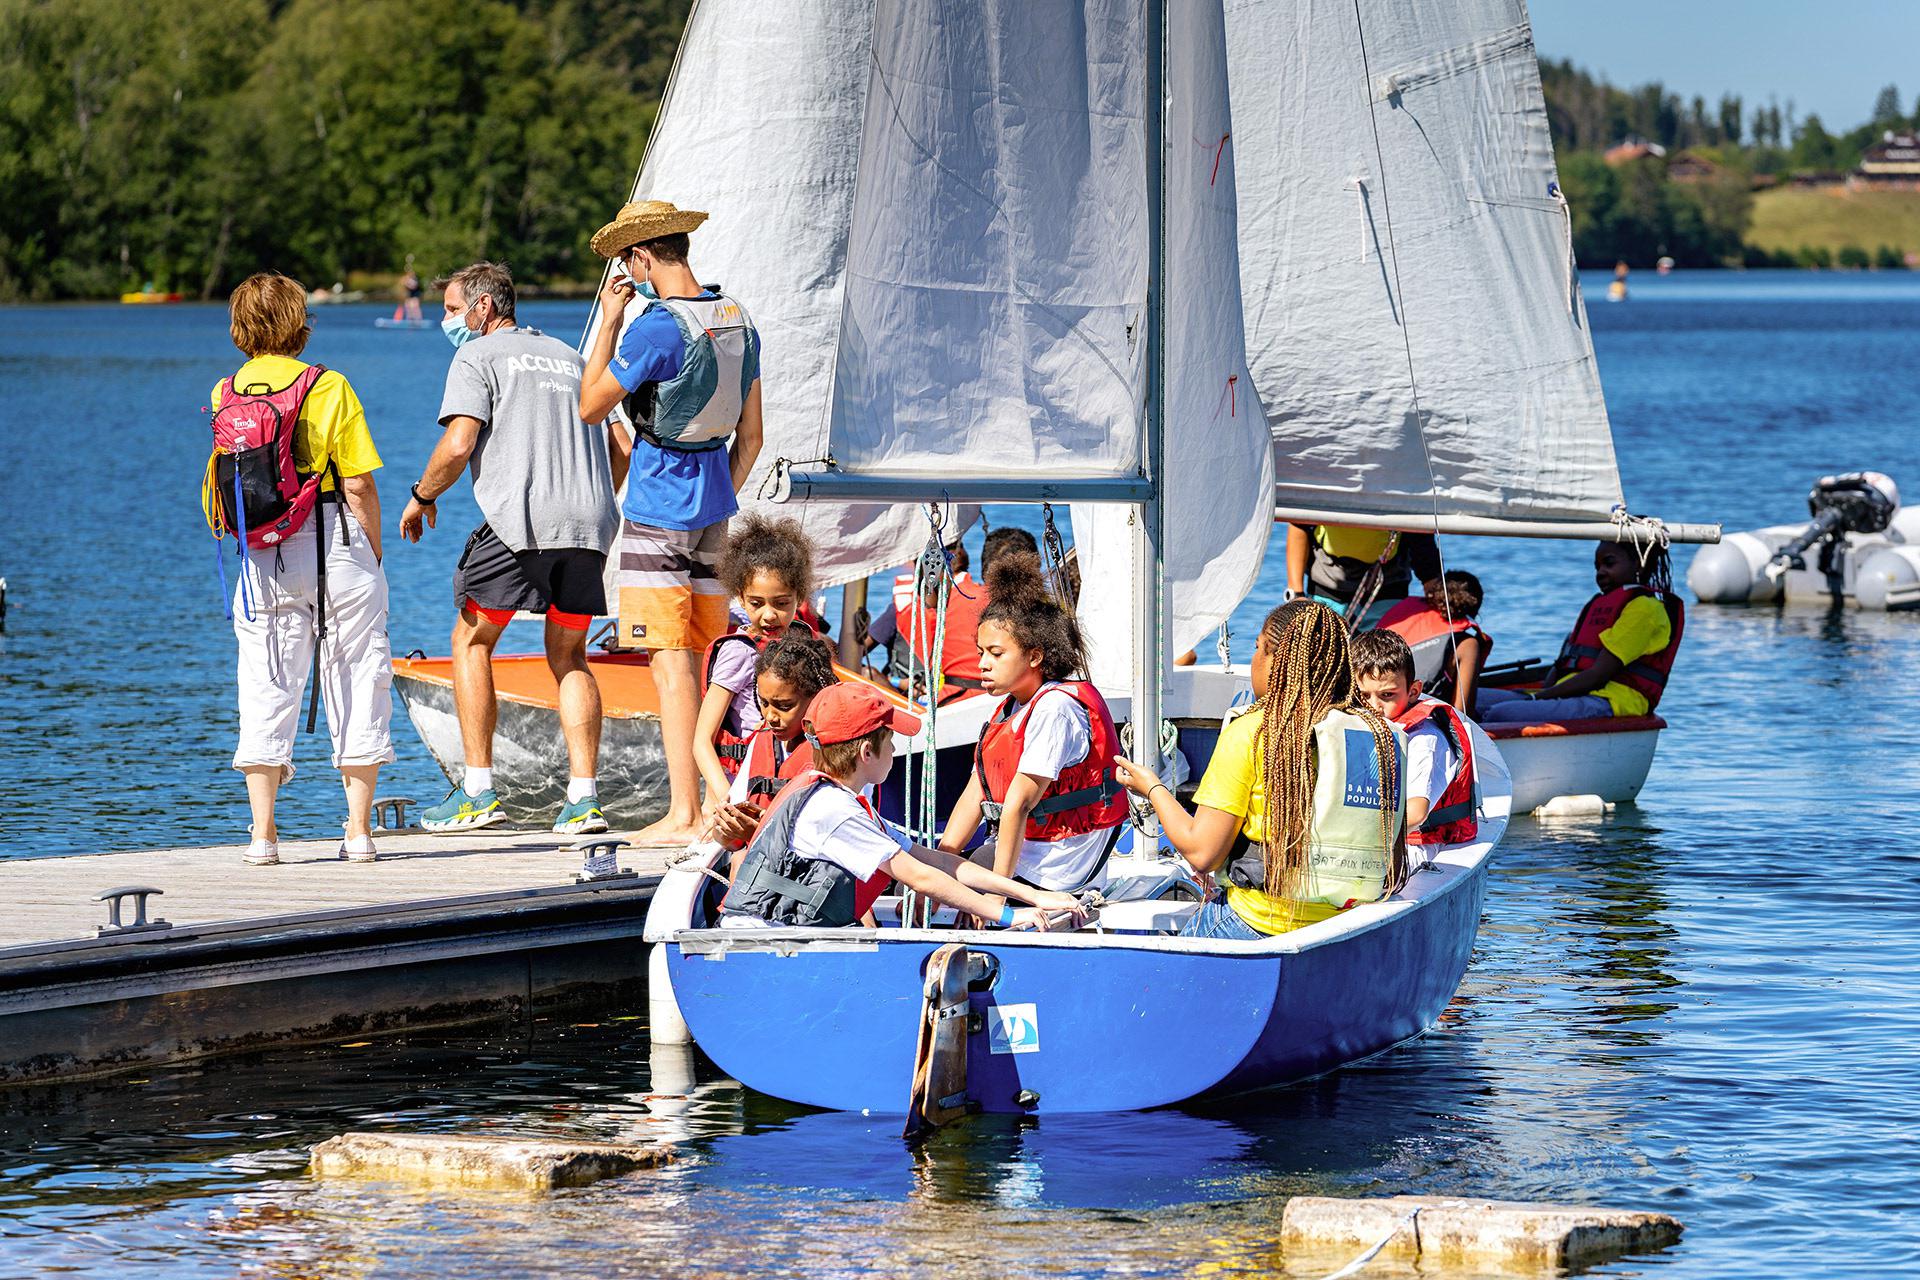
(455, 327)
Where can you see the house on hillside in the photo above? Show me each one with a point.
(1894, 161)
(1632, 149)
(1690, 167)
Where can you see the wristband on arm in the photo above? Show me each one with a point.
(1006, 916)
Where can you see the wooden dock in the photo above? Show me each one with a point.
(231, 957)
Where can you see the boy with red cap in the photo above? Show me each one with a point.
(822, 856)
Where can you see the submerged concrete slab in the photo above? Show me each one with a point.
(1451, 1230)
(480, 1163)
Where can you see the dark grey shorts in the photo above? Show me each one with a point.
(494, 576)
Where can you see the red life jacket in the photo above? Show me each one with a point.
(1430, 633)
(1648, 673)
(1085, 797)
(777, 884)
(959, 643)
(730, 743)
(766, 772)
(253, 489)
(1452, 818)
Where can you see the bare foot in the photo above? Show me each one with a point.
(670, 830)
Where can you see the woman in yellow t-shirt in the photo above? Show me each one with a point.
(275, 612)
(1302, 802)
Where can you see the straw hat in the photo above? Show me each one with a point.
(643, 220)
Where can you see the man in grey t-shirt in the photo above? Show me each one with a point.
(545, 487)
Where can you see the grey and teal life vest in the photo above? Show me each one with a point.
(699, 407)
(775, 884)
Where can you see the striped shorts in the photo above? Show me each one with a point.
(669, 595)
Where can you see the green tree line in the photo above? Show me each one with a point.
(1631, 212)
(192, 142)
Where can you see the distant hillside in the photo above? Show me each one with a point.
(1791, 219)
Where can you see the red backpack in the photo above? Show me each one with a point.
(253, 491)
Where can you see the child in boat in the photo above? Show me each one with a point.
(1616, 660)
(1440, 768)
(1302, 802)
(768, 567)
(1440, 628)
(1043, 770)
(788, 675)
(821, 856)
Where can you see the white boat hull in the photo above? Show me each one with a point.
(1594, 760)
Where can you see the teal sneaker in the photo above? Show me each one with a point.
(462, 812)
(581, 818)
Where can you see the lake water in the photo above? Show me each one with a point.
(1705, 1004)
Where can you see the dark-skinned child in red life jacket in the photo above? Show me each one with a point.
(822, 857)
(1441, 806)
(1616, 659)
(1442, 629)
(767, 567)
(787, 676)
(1043, 772)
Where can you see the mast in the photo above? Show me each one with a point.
(1149, 601)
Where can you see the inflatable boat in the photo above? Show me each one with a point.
(1860, 547)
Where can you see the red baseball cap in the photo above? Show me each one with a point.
(843, 712)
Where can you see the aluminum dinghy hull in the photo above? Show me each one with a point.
(530, 752)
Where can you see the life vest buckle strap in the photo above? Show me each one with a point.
(1107, 788)
(759, 876)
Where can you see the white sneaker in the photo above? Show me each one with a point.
(262, 853)
(360, 850)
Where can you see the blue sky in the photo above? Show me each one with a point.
(1829, 56)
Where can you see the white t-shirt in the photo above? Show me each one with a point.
(1430, 762)
(835, 827)
(1059, 733)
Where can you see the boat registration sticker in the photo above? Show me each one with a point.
(1013, 1028)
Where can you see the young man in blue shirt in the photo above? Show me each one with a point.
(686, 373)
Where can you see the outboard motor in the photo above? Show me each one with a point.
(1857, 502)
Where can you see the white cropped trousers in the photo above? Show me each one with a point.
(280, 588)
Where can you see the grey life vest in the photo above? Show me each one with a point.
(699, 407)
(776, 884)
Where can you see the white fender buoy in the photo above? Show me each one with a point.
(1733, 571)
(1574, 807)
(1889, 579)
(664, 1023)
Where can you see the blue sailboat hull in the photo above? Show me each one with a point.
(1085, 1022)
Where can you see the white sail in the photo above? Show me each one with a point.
(1217, 466)
(996, 273)
(760, 126)
(1414, 325)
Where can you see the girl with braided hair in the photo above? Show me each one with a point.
(1043, 771)
(787, 675)
(1302, 803)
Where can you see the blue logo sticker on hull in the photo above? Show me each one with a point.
(1013, 1028)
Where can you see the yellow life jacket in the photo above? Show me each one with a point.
(1348, 851)
(1367, 545)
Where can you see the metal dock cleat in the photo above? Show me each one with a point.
(390, 812)
(602, 860)
(113, 928)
